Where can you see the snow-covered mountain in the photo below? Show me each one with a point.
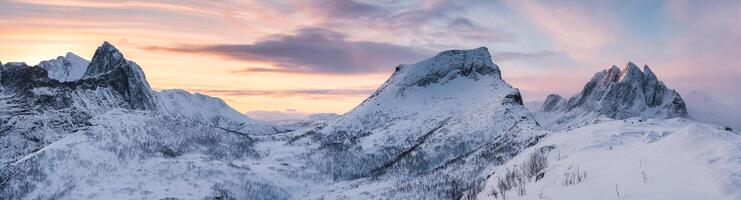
(65, 68)
(617, 94)
(38, 110)
(445, 119)
(447, 127)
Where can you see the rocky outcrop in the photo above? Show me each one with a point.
(110, 69)
(553, 102)
(622, 94)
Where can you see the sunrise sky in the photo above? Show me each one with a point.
(328, 55)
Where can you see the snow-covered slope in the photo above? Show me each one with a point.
(211, 110)
(617, 94)
(624, 159)
(127, 154)
(39, 110)
(450, 114)
(65, 68)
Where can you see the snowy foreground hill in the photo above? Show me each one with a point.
(448, 127)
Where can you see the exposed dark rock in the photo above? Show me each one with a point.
(622, 94)
(552, 102)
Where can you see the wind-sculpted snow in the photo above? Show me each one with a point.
(140, 155)
(615, 94)
(625, 159)
(211, 110)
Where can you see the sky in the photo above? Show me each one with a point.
(310, 56)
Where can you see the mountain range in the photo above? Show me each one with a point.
(448, 127)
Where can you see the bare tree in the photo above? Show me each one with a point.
(573, 175)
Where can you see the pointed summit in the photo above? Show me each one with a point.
(631, 72)
(126, 77)
(649, 73)
(609, 75)
(552, 102)
(106, 58)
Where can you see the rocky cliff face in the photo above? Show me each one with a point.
(619, 94)
(110, 69)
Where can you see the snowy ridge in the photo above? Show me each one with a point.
(209, 109)
(65, 69)
(626, 159)
(617, 94)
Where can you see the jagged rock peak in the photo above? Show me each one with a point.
(126, 77)
(623, 94)
(552, 102)
(648, 74)
(106, 58)
(449, 64)
(631, 72)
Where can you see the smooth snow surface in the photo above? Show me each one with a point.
(211, 110)
(632, 159)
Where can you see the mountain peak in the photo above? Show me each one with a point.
(70, 55)
(126, 77)
(106, 57)
(649, 73)
(69, 67)
(631, 73)
(448, 65)
(552, 102)
(623, 94)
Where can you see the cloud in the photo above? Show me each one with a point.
(579, 29)
(508, 56)
(305, 93)
(428, 22)
(333, 9)
(311, 50)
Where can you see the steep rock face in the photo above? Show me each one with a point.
(448, 116)
(553, 102)
(110, 68)
(65, 68)
(619, 94)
